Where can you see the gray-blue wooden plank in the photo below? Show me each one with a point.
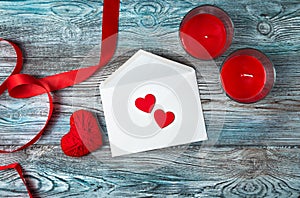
(176, 172)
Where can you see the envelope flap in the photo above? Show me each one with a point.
(142, 58)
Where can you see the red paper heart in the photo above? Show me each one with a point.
(84, 136)
(163, 119)
(145, 104)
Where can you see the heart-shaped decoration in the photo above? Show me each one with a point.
(163, 119)
(84, 136)
(146, 104)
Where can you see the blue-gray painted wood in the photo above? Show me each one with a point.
(252, 151)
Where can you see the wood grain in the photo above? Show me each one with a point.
(196, 171)
(252, 151)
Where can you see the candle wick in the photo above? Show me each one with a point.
(247, 75)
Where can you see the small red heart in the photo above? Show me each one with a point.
(163, 119)
(84, 136)
(145, 104)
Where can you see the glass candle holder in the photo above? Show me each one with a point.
(247, 75)
(206, 32)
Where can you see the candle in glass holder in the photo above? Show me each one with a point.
(247, 75)
(206, 32)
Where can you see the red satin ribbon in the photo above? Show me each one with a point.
(26, 86)
(18, 168)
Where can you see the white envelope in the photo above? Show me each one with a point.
(151, 102)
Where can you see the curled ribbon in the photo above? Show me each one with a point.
(26, 86)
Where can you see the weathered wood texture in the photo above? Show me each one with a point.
(252, 149)
(196, 172)
(58, 36)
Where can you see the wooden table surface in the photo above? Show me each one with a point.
(252, 151)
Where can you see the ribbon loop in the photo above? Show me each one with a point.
(26, 86)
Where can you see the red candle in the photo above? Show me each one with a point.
(247, 75)
(206, 32)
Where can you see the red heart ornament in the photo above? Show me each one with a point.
(145, 104)
(163, 119)
(84, 136)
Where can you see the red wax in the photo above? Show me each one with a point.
(203, 31)
(243, 77)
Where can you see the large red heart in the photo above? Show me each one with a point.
(145, 104)
(84, 136)
(163, 119)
